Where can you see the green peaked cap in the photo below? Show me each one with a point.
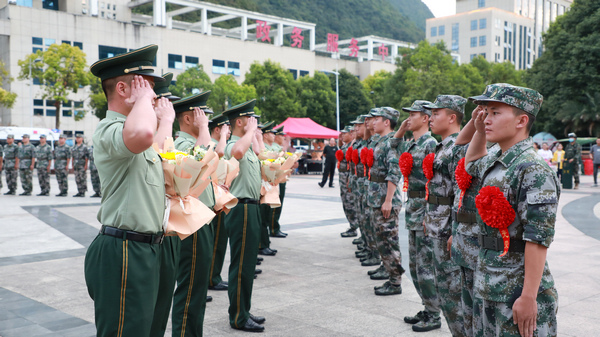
(161, 89)
(194, 101)
(245, 109)
(137, 61)
(218, 121)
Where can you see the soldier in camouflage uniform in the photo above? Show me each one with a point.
(62, 158)
(420, 249)
(507, 290)
(26, 162)
(384, 198)
(80, 165)
(10, 164)
(447, 114)
(94, 175)
(43, 155)
(572, 156)
(343, 174)
(348, 199)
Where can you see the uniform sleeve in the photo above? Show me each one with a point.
(393, 169)
(111, 142)
(69, 151)
(540, 191)
(396, 143)
(227, 151)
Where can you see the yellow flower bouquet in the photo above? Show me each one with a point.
(274, 172)
(226, 172)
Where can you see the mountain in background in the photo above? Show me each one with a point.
(402, 20)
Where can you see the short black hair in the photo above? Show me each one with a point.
(519, 112)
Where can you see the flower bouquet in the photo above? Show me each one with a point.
(186, 176)
(226, 171)
(274, 172)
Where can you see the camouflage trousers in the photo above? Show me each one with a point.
(95, 180)
(420, 255)
(81, 179)
(63, 180)
(575, 171)
(465, 249)
(367, 229)
(388, 245)
(11, 178)
(447, 277)
(26, 179)
(44, 179)
(348, 200)
(495, 319)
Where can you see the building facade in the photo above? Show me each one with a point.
(498, 30)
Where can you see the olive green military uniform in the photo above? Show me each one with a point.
(274, 225)
(26, 157)
(1, 161)
(10, 160)
(62, 154)
(243, 228)
(43, 155)
(80, 158)
(269, 218)
(94, 174)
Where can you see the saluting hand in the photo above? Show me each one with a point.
(251, 125)
(200, 119)
(478, 117)
(140, 89)
(164, 110)
(224, 130)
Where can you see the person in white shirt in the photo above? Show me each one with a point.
(545, 153)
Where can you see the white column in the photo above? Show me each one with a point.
(394, 53)
(204, 18)
(370, 49)
(279, 39)
(312, 39)
(244, 33)
(160, 13)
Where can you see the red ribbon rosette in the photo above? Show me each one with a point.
(355, 160)
(496, 212)
(363, 159)
(463, 180)
(339, 155)
(406, 165)
(428, 171)
(370, 160)
(349, 160)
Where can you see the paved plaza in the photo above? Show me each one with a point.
(313, 287)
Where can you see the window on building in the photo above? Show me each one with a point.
(78, 45)
(78, 104)
(473, 24)
(304, 73)
(37, 40)
(455, 31)
(441, 30)
(66, 42)
(497, 39)
(67, 113)
(483, 23)
(482, 40)
(480, 3)
(25, 3)
(51, 113)
(474, 41)
(48, 42)
(50, 4)
(218, 67)
(233, 68)
(175, 61)
(36, 81)
(294, 73)
(433, 31)
(473, 56)
(35, 49)
(108, 51)
(38, 112)
(191, 62)
(482, 54)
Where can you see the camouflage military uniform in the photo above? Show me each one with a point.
(80, 154)
(385, 169)
(347, 198)
(26, 157)
(43, 156)
(94, 173)
(10, 157)
(62, 154)
(357, 188)
(438, 222)
(573, 151)
(420, 249)
(368, 210)
(533, 191)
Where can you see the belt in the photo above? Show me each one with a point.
(434, 199)
(377, 179)
(248, 201)
(416, 194)
(131, 235)
(465, 217)
(496, 243)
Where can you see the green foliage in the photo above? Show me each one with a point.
(227, 92)
(416, 11)
(317, 96)
(275, 90)
(7, 98)
(374, 87)
(98, 100)
(568, 72)
(60, 69)
(353, 100)
(191, 79)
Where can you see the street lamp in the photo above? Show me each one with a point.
(337, 96)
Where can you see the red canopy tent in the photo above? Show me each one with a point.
(306, 128)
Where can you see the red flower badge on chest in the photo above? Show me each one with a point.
(363, 159)
(463, 179)
(428, 171)
(370, 160)
(339, 155)
(355, 160)
(496, 212)
(349, 154)
(406, 165)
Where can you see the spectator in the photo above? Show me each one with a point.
(559, 156)
(595, 152)
(536, 147)
(545, 153)
(330, 162)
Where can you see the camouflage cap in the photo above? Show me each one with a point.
(522, 98)
(418, 106)
(10, 136)
(386, 112)
(25, 135)
(42, 136)
(359, 120)
(62, 136)
(79, 135)
(572, 134)
(488, 91)
(453, 102)
(345, 129)
(350, 128)
(370, 114)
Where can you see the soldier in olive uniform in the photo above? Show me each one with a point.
(1, 164)
(11, 151)
(80, 165)
(514, 292)
(43, 155)
(26, 162)
(572, 156)
(383, 197)
(420, 246)
(266, 212)
(94, 175)
(62, 158)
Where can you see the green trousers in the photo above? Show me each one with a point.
(275, 227)
(131, 284)
(189, 301)
(266, 214)
(243, 229)
(219, 249)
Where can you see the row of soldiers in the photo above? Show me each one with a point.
(134, 271)
(480, 211)
(21, 160)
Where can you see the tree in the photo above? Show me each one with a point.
(61, 71)
(276, 91)
(227, 92)
(374, 87)
(568, 72)
(317, 96)
(98, 100)
(353, 100)
(7, 98)
(192, 80)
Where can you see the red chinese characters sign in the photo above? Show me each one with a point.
(297, 37)
(383, 52)
(263, 30)
(354, 47)
(332, 42)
